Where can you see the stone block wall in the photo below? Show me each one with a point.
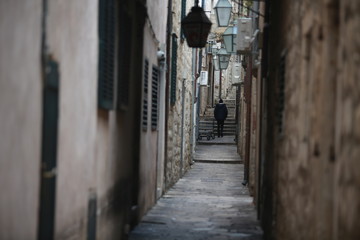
(313, 143)
(179, 149)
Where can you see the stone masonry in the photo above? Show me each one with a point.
(177, 162)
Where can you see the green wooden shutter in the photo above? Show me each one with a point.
(50, 124)
(106, 54)
(154, 98)
(183, 15)
(145, 95)
(173, 69)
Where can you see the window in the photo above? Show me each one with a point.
(145, 95)
(154, 98)
(106, 32)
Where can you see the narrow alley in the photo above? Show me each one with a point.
(179, 119)
(208, 203)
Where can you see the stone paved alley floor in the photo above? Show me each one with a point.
(208, 203)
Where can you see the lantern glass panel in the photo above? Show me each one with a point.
(224, 61)
(223, 12)
(224, 65)
(196, 34)
(229, 39)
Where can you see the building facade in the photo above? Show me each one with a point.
(182, 77)
(78, 162)
(301, 141)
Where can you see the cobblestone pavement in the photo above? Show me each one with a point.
(208, 203)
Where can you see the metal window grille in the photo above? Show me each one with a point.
(154, 97)
(145, 95)
(173, 70)
(106, 73)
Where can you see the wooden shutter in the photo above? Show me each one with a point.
(106, 54)
(154, 97)
(50, 123)
(183, 15)
(145, 95)
(173, 70)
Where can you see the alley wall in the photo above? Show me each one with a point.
(313, 139)
(96, 150)
(20, 117)
(179, 138)
(75, 49)
(152, 135)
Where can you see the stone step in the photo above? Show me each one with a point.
(210, 124)
(211, 110)
(210, 121)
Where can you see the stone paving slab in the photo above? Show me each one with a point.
(208, 203)
(216, 153)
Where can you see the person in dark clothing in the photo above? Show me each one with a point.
(220, 114)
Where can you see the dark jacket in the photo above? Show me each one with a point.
(220, 111)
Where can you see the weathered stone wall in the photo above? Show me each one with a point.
(315, 138)
(229, 91)
(178, 162)
(242, 124)
(253, 138)
(346, 153)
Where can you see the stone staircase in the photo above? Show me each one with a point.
(207, 121)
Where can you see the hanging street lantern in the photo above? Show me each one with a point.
(196, 26)
(229, 37)
(223, 12)
(224, 58)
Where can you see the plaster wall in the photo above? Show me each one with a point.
(20, 117)
(149, 137)
(158, 18)
(75, 48)
(158, 22)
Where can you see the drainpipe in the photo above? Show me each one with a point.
(220, 83)
(193, 102)
(167, 84)
(161, 131)
(182, 127)
(212, 86)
